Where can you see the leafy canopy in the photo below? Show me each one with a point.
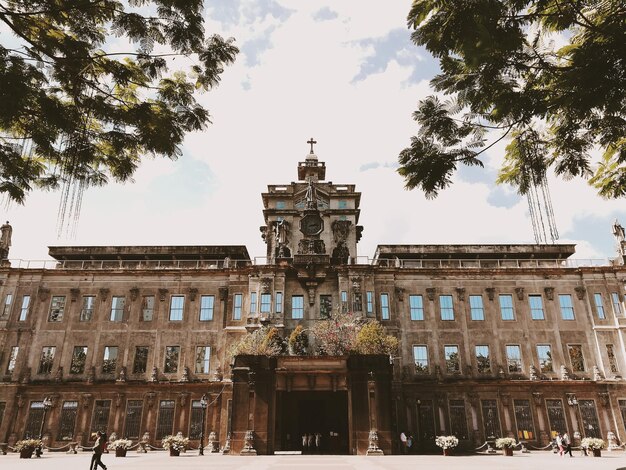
(502, 71)
(74, 108)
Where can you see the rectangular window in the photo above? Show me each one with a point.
(172, 354)
(597, 299)
(237, 302)
(132, 424)
(279, 302)
(46, 360)
(140, 363)
(165, 423)
(491, 418)
(589, 416)
(384, 306)
(344, 301)
(195, 423)
(369, 296)
(57, 307)
(177, 305)
(524, 420)
(610, 352)
(24, 308)
(420, 356)
(7, 305)
(416, 304)
(100, 419)
(567, 309)
(544, 354)
(266, 303)
(280, 204)
(3, 406)
(483, 361)
(617, 304)
(453, 362)
(536, 307)
(86, 311)
(252, 303)
(357, 302)
(297, 307)
(206, 307)
(79, 359)
(117, 308)
(458, 419)
(109, 360)
(446, 307)
(34, 420)
(326, 306)
(576, 357)
(477, 310)
(203, 359)
(556, 417)
(514, 358)
(506, 307)
(342, 204)
(12, 359)
(147, 308)
(67, 422)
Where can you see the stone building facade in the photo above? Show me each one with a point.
(495, 340)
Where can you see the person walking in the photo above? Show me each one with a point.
(98, 449)
(305, 443)
(403, 442)
(559, 443)
(567, 443)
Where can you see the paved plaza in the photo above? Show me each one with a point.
(191, 461)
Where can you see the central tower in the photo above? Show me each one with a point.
(311, 220)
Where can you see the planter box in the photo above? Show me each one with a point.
(174, 452)
(508, 451)
(119, 452)
(597, 452)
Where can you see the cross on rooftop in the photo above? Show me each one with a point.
(312, 142)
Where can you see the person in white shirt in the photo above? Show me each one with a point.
(403, 442)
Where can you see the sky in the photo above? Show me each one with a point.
(345, 73)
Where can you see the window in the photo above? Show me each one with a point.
(57, 307)
(279, 302)
(3, 406)
(451, 355)
(203, 358)
(24, 308)
(109, 360)
(252, 302)
(597, 298)
(610, 352)
(165, 423)
(567, 310)
(483, 361)
(458, 419)
(140, 363)
(357, 302)
(589, 417)
(100, 419)
(34, 420)
(384, 306)
(195, 424)
(266, 303)
(617, 305)
(206, 307)
(420, 356)
(147, 308)
(86, 311)
(576, 357)
(491, 419)
(477, 311)
(67, 422)
(416, 304)
(544, 353)
(79, 359)
(524, 420)
(172, 353)
(342, 204)
(177, 305)
(297, 307)
(326, 306)
(536, 307)
(369, 296)
(46, 360)
(117, 308)
(12, 359)
(514, 358)
(344, 301)
(280, 204)
(237, 301)
(446, 307)
(7, 305)
(506, 307)
(556, 417)
(134, 408)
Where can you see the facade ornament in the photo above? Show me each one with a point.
(604, 399)
(356, 284)
(618, 232)
(119, 401)
(150, 396)
(185, 376)
(596, 374)
(43, 293)
(311, 286)
(213, 444)
(505, 398)
(163, 294)
(226, 449)
(154, 376)
(134, 293)
(532, 373)
(400, 293)
(6, 231)
(91, 375)
(122, 375)
(549, 291)
(265, 285)
(460, 293)
(248, 444)
(86, 399)
(473, 398)
(26, 376)
(430, 292)
(491, 292)
(537, 397)
(19, 400)
(263, 230)
(74, 293)
(612, 439)
(193, 292)
(341, 230)
(223, 292)
(520, 293)
(501, 373)
(564, 373)
(58, 377)
(104, 293)
(372, 448)
(183, 396)
(218, 376)
(580, 292)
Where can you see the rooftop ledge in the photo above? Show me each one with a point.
(527, 251)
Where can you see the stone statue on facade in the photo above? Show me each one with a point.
(310, 196)
(618, 232)
(5, 240)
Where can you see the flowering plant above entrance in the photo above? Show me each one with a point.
(592, 443)
(447, 442)
(505, 443)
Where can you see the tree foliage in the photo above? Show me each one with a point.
(298, 341)
(502, 71)
(77, 106)
(372, 338)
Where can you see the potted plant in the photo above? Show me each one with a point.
(26, 447)
(447, 443)
(120, 446)
(506, 444)
(594, 444)
(175, 444)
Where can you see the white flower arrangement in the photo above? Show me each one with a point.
(447, 442)
(28, 444)
(505, 442)
(120, 444)
(178, 443)
(592, 443)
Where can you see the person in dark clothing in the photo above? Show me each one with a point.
(98, 449)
